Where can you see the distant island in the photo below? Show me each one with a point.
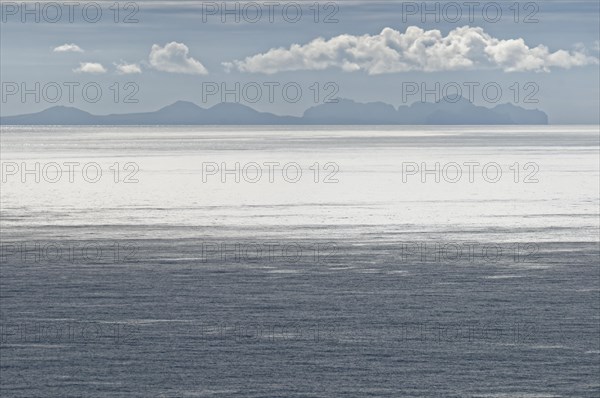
(343, 112)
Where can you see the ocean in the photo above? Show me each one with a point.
(258, 261)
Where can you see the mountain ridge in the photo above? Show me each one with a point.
(344, 112)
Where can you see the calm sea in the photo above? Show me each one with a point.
(306, 262)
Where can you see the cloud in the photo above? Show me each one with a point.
(124, 68)
(464, 48)
(65, 48)
(174, 58)
(90, 67)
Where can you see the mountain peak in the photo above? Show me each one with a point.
(181, 105)
(65, 109)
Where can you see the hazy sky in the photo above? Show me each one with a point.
(366, 51)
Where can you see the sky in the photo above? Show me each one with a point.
(141, 56)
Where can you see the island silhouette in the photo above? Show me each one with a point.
(458, 111)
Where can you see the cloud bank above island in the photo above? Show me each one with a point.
(391, 51)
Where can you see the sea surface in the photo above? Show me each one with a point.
(300, 262)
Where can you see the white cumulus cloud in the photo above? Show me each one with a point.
(90, 67)
(124, 68)
(391, 51)
(174, 57)
(68, 48)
